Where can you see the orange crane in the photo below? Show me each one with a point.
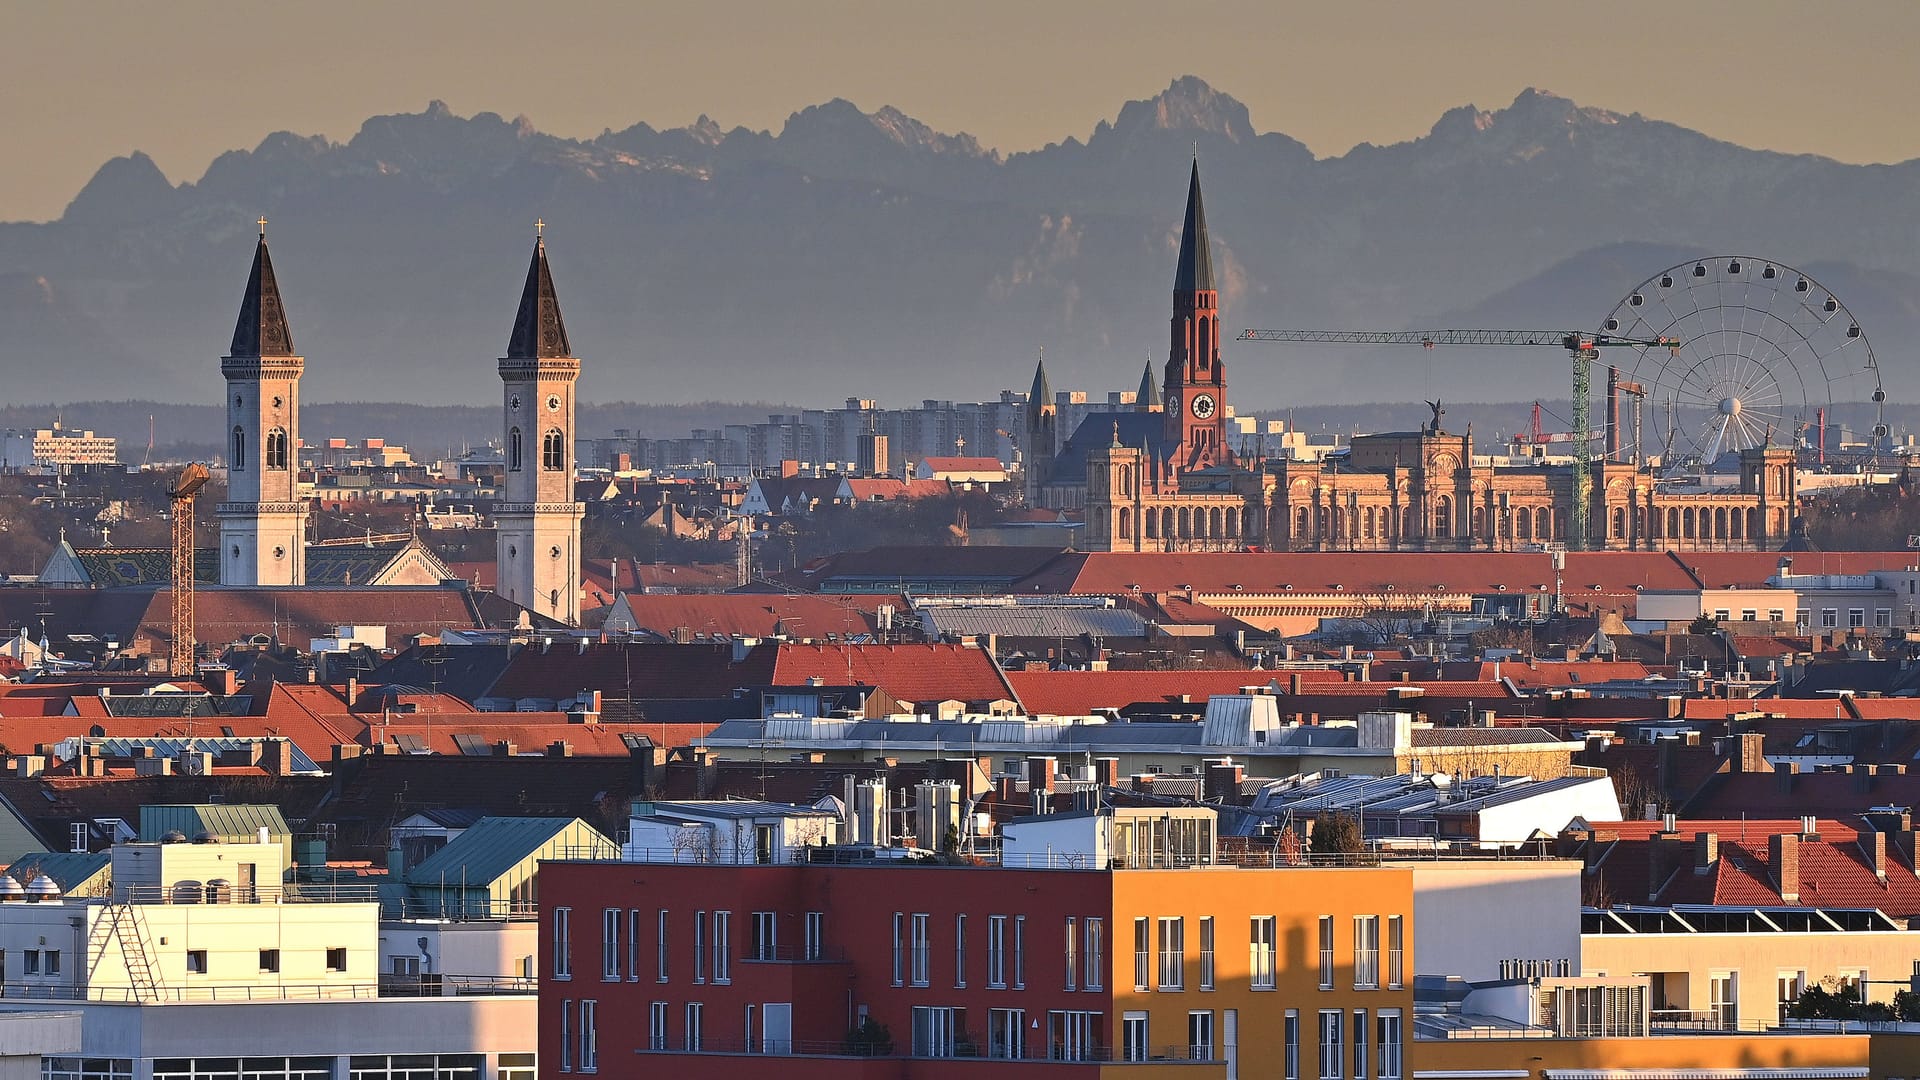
(1583, 346)
(180, 502)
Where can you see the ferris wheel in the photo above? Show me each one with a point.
(1766, 353)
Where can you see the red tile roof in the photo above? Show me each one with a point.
(801, 615)
(1079, 693)
(921, 674)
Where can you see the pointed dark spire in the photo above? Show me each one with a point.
(1149, 395)
(262, 329)
(1042, 392)
(1196, 257)
(538, 331)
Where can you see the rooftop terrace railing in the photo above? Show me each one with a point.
(449, 986)
(1036, 1049)
(219, 892)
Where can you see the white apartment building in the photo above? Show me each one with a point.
(205, 963)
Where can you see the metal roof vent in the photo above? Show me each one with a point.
(11, 889)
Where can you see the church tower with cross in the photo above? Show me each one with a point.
(537, 519)
(1196, 388)
(263, 523)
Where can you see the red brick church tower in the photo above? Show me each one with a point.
(1196, 386)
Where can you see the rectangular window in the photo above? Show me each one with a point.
(816, 934)
(1333, 1049)
(633, 945)
(269, 960)
(763, 933)
(196, 962)
(696, 1013)
(1007, 1034)
(1206, 952)
(1019, 952)
(1776, 615)
(1263, 947)
(660, 949)
(53, 961)
(1389, 1026)
(723, 947)
(922, 950)
(1073, 1035)
(899, 948)
(1723, 998)
(1293, 1044)
(30, 962)
(512, 1067)
(960, 951)
(1856, 617)
(1746, 615)
(1883, 618)
(1829, 618)
(563, 943)
(997, 952)
(1095, 954)
(1134, 1042)
(1396, 952)
(566, 1035)
(1173, 953)
(1792, 984)
(1200, 1036)
(1366, 953)
(1359, 1044)
(657, 1026)
(589, 1036)
(933, 1030)
(1142, 955)
(336, 959)
(609, 947)
(1326, 952)
(1073, 952)
(699, 946)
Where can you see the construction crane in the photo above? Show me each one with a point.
(1583, 346)
(180, 500)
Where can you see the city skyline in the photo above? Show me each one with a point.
(1015, 79)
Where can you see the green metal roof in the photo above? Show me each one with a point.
(492, 848)
(228, 821)
(68, 869)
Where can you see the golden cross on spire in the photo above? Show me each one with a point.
(539, 228)
(263, 227)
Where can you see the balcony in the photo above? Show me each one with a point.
(794, 954)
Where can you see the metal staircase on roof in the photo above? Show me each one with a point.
(123, 922)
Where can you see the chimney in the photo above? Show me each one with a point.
(1750, 756)
(641, 775)
(1667, 854)
(1785, 849)
(1783, 777)
(559, 748)
(353, 691)
(1223, 781)
(277, 757)
(1873, 843)
(1706, 851)
(505, 748)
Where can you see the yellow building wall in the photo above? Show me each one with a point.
(1459, 1058)
(1296, 898)
(1689, 960)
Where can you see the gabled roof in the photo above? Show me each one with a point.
(262, 327)
(538, 331)
(67, 869)
(915, 673)
(488, 850)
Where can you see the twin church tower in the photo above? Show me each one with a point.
(263, 523)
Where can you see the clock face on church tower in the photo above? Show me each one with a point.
(1203, 406)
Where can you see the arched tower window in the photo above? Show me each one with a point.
(553, 451)
(513, 449)
(1202, 341)
(277, 449)
(237, 459)
(1443, 517)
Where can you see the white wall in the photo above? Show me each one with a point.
(1514, 822)
(1470, 914)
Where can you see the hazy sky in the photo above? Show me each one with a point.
(185, 80)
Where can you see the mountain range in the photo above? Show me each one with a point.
(866, 254)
